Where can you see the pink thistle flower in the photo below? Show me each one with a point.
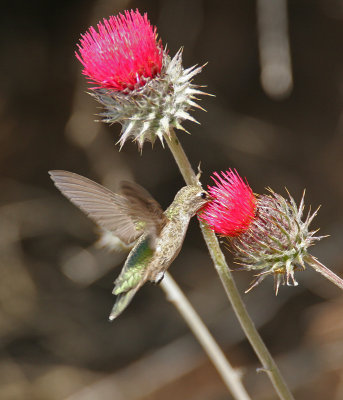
(268, 234)
(233, 207)
(123, 53)
(138, 83)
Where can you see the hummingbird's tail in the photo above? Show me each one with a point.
(122, 301)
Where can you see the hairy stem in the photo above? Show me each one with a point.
(269, 365)
(230, 377)
(322, 269)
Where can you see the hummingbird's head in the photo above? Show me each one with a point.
(191, 198)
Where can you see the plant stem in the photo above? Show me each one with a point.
(269, 365)
(230, 377)
(322, 269)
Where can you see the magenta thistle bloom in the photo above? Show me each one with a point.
(123, 53)
(233, 207)
(138, 84)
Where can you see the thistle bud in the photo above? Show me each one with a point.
(137, 82)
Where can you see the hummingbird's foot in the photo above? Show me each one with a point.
(159, 277)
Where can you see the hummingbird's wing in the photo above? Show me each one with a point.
(124, 216)
(144, 209)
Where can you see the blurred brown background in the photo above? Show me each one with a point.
(55, 285)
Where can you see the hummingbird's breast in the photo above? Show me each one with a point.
(168, 245)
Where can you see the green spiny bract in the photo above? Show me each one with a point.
(277, 240)
(149, 111)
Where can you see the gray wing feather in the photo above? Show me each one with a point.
(123, 215)
(139, 199)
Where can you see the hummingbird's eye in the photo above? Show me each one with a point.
(203, 195)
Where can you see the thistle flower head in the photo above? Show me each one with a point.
(233, 207)
(267, 233)
(277, 240)
(138, 84)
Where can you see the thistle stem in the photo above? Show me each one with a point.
(269, 365)
(322, 269)
(181, 158)
(230, 377)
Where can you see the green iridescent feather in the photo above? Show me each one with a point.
(135, 266)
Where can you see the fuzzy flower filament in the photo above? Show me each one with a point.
(233, 207)
(137, 82)
(123, 54)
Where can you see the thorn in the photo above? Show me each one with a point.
(199, 171)
(277, 282)
(261, 369)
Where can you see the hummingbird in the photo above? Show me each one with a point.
(134, 216)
